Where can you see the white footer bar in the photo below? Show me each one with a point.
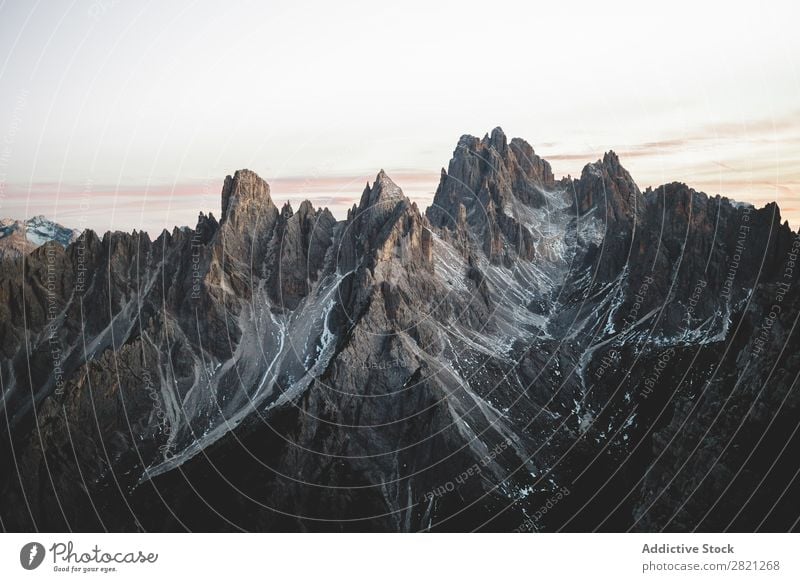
(389, 557)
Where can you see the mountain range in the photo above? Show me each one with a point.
(20, 237)
(526, 354)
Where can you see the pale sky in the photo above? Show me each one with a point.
(117, 114)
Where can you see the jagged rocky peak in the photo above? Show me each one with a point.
(383, 191)
(379, 203)
(206, 227)
(606, 187)
(386, 224)
(491, 170)
(244, 188)
(248, 212)
(489, 189)
(305, 210)
(301, 240)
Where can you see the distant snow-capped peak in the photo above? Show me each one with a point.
(18, 237)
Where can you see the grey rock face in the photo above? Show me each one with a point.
(488, 184)
(610, 355)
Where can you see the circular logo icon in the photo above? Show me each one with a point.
(31, 555)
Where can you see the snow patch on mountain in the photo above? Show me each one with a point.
(19, 237)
